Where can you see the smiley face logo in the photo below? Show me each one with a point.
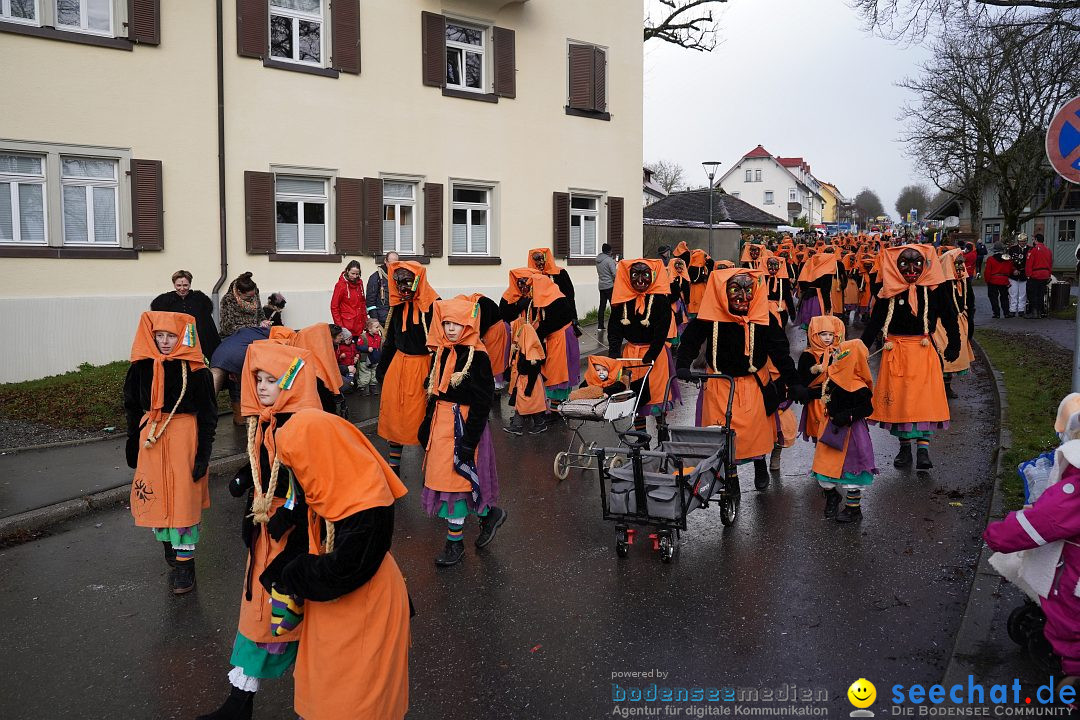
(862, 693)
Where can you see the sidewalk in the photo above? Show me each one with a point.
(1063, 332)
(63, 478)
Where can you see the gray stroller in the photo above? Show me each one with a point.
(658, 488)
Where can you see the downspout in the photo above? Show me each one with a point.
(221, 154)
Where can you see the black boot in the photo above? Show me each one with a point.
(238, 706)
(489, 525)
(761, 474)
(850, 513)
(452, 553)
(922, 461)
(949, 392)
(170, 553)
(832, 501)
(774, 461)
(516, 426)
(535, 425)
(183, 577)
(903, 458)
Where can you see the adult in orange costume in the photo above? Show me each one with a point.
(171, 421)
(405, 362)
(353, 660)
(816, 286)
(640, 321)
(276, 382)
(543, 261)
(495, 334)
(535, 298)
(910, 398)
(680, 298)
(813, 363)
(781, 301)
(740, 338)
(957, 290)
(753, 254)
(460, 478)
(698, 266)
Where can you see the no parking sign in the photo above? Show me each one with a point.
(1063, 141)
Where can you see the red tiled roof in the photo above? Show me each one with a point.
(790, 162)
(758, 152)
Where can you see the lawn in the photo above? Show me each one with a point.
(88, 399)
(1037, 374)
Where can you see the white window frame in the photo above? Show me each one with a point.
(600, 200)
(491, 190)
(417, 181)
(89, 184)
(768, 198)
(327, 203)
(6, 16)
(54, 201)
(793, 194)
(749, 176)
(1063, 229)
(15, 180)
(82, 27)
(757, 176)
(323, 18)
(735, 195)
(481, 50)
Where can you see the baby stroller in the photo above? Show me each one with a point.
(1025, 623)
(659, 488)
(576, 413)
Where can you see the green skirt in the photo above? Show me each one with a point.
(178, 536)
(863, 478)
(256, 662)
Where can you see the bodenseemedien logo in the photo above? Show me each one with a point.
(862, 694)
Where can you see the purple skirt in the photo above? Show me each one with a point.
(860, 450)
(432, 500)
(674, 395)
(913, 427)
(809, 309)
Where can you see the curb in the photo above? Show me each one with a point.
(978, 614)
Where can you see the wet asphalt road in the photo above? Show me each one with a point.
(536, 625)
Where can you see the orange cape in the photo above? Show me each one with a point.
(462, 311)
(624, 291)
(714, 306)
(513, 294)
(893, 283)
(144, 348)
(425, 294)
(850, 368)
(614, 368)
(550, 268)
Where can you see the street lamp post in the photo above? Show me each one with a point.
(710, 170)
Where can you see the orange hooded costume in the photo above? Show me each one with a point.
(526, 346)
(958, 293)
(405, 361)
(817, 356)
(849, 371)
(353, 660)
(163, 494)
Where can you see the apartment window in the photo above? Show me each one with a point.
(296, 31)
(735, 195)
(300, 204)
(399, 217)
(19, 10)
(89, 16)
(749, 176)
(1067, 230)
(768, 197)
(793, 195)
(992, 233)
(470, 220)
(90, 188)
(757, 176)
(583, 225)
(22, 199)
(464, 57)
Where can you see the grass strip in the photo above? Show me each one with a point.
(1037, 376)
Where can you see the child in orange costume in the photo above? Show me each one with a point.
(405, 360)
(171, 420)
(528, 396)
(825, 334)
(277, 382)
(353, 659)
(460, 478)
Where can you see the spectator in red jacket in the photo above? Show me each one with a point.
(970, 256)
(998, 270)
(1040, 261)
(348, 306)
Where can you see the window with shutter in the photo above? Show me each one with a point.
(433, 45)
(433, 219)
(259, 214)
(615, 224)
(584, 220)
(505, 62)
(345, 32)
(349, 223)
(561, 224)
(399, 217)
(470, 220)
(373, 195)
(587, 81)
(300, 209)
(144, 22)
(252, 28)
(147, 206)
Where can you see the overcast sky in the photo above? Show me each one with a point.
(800, 77)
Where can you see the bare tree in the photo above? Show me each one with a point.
(984, 102)
(917, 19)
(668, 174)
(686, 23)
(913, 197)
(868, 204)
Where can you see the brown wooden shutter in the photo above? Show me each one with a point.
(505, 65)
(349, 222)
(599, 62)
(615, 224)
(373, 216)
(260, 218)
(147, 209)
(144, 22)
(433, 42)
(581, 77)
(252, 28)
(560, 223)
(433, 219)
(345, 32)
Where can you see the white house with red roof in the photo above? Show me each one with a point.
(778, 185)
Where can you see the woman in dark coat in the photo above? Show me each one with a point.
(194, 303)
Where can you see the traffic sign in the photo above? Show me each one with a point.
(1063, 141)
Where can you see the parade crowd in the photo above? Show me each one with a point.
(322, 594)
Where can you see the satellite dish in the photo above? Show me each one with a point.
(952, 221)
